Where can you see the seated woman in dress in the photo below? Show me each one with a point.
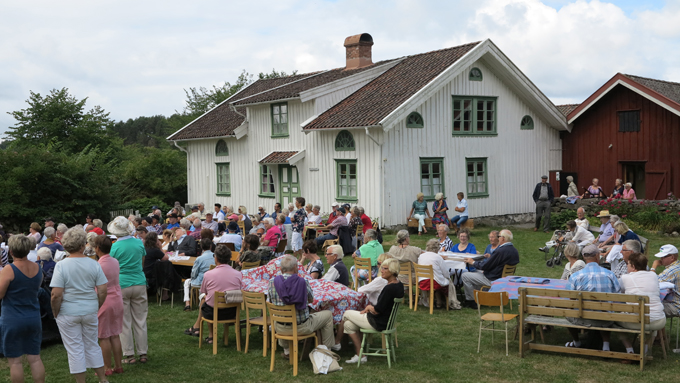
(572, 251)
(639, 281)
(439, 209)
(419, 211)
(618, 189)
(593, 191)
(20, 324)
(464, 245)
(374, 317)
(628, 192)
(314, 266)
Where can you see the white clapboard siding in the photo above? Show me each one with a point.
(516, 158)
(318, 187)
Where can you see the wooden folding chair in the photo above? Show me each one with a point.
(329, 242)
(508, 270)
(360, 230)
(287, 315)
(362, 264)
(249, 265)
(242, 227)
(256, 301)
(499, 299)
(425, 271)
(194, 292)
(220, 303)
(407, 269)
(389, 335)
(281, 247)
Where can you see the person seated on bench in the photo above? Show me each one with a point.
(595, 279)
(572, 252)
(418, 211)
(620, 267)
(639, 281)
(668, 258)
(560, 235)
(606, 230)
(462, 209)
(492, 269)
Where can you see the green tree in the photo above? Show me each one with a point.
(144, 131)
(148, 172)
(60, 119)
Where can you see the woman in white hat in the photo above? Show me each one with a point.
(129, 252)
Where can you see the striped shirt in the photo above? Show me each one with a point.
(672, 274)
(594, 278)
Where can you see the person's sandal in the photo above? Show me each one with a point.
(129, 360)
(108, 372)
(187, 308)
(118, 370)
(192, 331)
(143, 359)
(208, 340)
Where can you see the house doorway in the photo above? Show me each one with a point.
(634, 172)
(289, 184)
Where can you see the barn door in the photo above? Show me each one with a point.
(634, 172)
(657, 180)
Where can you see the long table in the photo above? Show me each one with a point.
(189, 262)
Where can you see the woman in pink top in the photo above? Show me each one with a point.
(273, 234)
(110, 315)
(628, 192)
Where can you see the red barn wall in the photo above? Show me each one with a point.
(586, 149)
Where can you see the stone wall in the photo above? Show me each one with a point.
(594, 205)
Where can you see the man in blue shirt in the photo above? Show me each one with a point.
(606, 229)
(172, 222)
(201, 265)
(595, 279)
(462, 210)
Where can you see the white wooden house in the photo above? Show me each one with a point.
(375, 134)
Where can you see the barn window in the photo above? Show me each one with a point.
(221, 149)
(280, 120)
(474, 115)
(266, 181)
(346, 183)
(223, 181)
(344, 141)
(629, 121)
(527, 123)
(475, 74)
(477, 177)
(431, 177)
(414, 120)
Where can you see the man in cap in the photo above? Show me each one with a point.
(592, 278)
(606, 229)
(49, 222)
(543, 197)
(230, 236)
(668, 258)
(172, 222)
(209, 223)
(334, 214)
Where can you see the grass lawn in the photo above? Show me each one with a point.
(432, 348)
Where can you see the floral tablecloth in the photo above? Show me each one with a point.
(327, 295)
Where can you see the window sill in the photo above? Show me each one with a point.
(266, 195)
(475, 134)
(280, 136)
(346, 199)
(223, 194)
(473, 196)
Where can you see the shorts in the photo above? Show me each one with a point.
(425, 285)
(222, 314)
(296, 241)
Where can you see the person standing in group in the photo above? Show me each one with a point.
(298, 223)
(129, 253)
(78, 292)
(543, 197)
(110, 314)
(20, 325)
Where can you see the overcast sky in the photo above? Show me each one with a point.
(134, 58)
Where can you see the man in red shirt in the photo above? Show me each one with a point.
(334, 214)
(365, 220)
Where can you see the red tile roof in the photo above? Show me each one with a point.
(293, 89)
(567, 108)
(277, 158)
(221, 121)
(370, 104)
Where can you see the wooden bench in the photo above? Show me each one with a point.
(412, 222)
(469, 224)
(644, 241)
(545, 307)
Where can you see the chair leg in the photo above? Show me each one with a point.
(431, 300)
(214, 337)
(294, 357)
(265, 330)
(361, 349)
(247, 336)
(479, 340)
(506, 339)
(389, 361)
(415, 305)
(271, 365)
(172, 299)
(394, 351)
(238, 334)
(200, 334)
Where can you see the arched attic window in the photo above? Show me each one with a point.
(527, 123)
(414, 120)
(221, 149)
(344, 141)
(475, 74)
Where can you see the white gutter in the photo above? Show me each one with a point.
(180, 148)
(270, 101)
(373, 138)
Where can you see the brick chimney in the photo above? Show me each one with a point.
(358, 51)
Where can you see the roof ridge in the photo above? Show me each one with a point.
(282, 85)
(443, 49)
(632, 76)
(567, 104)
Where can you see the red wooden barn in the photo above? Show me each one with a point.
(628, 129)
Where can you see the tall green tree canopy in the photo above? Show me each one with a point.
(60, 119)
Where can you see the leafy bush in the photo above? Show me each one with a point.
(144, 205)
(559, 220)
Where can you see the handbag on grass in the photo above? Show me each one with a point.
(324, 360)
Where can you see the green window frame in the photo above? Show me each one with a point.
(474, 115)
(527, 123)
(415, 120)
(221, 149)
(476, 74)
(346, 181)
(267, 188)
(476, 177)
(223, 179)
(431, 177)
(344, 142)
(279, 112)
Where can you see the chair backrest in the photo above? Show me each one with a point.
(374, 224)
(254, 301)
(363, 264)
(231, 246)
(220, 301)
(423, 271)
(393, 315)
(360, 229)
(283, 314)
(405, 268)
(485, 298)
(508, 270)
(281, 247)
(250, 265)
(242, 226)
